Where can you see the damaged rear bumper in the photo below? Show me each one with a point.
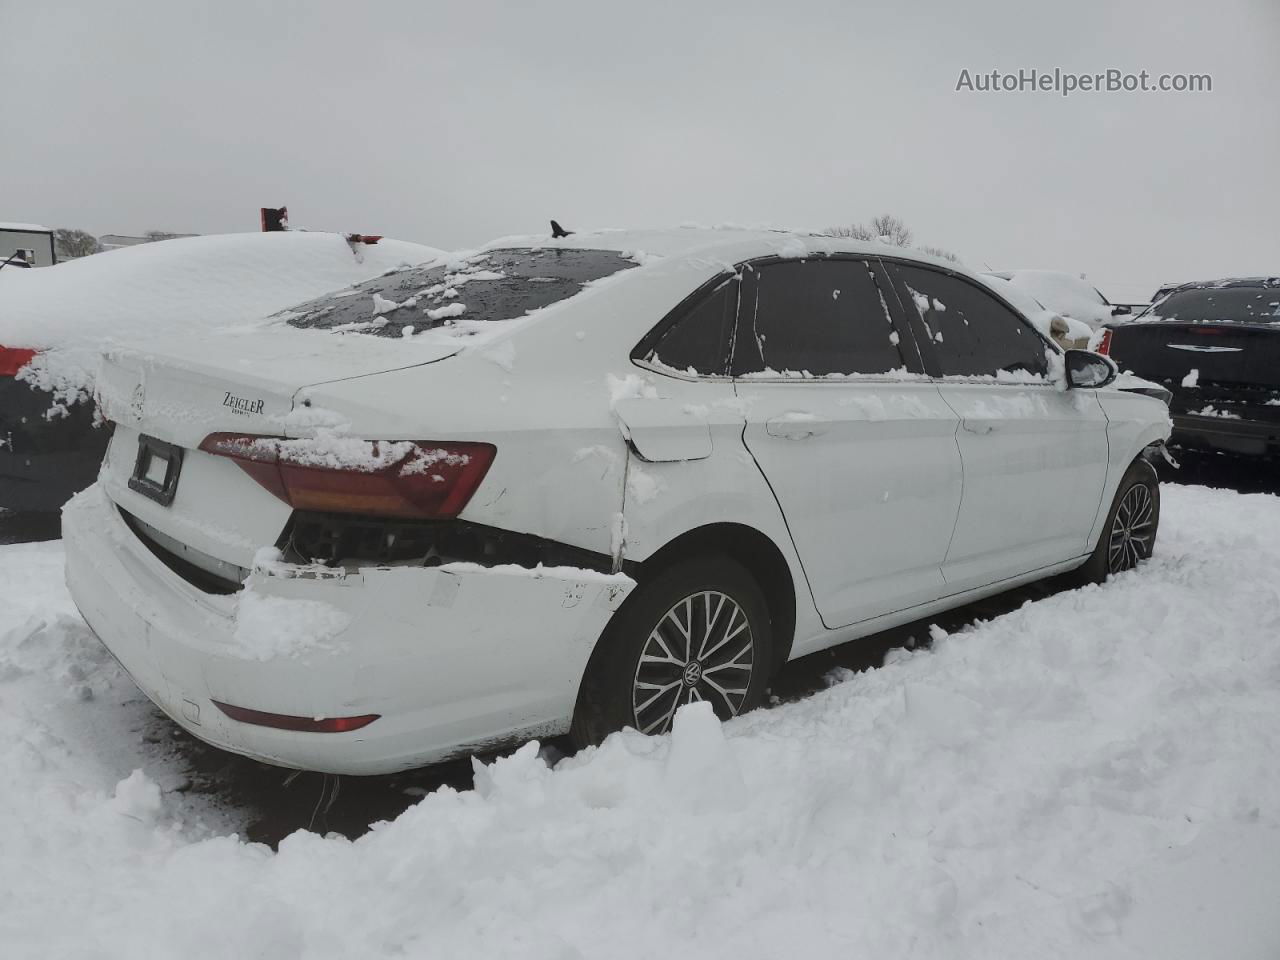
(450, 659)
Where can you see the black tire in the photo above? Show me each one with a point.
(619, 690)
(1132, 524)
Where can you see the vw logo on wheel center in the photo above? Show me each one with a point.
(692, 673)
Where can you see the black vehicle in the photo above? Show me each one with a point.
(45, 457)
(1216, 347)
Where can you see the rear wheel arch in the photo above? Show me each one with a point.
(629, 679)
(753, 550)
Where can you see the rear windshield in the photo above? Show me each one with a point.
(495, 285)
(1259, 305)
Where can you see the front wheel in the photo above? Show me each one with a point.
(1130, 533)
(699, 631)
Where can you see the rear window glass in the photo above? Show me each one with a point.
(495, 285)
(1222, 303)
(698, 343)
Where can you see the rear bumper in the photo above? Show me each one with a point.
(1245, 437)
(451, 662)
(44, 461)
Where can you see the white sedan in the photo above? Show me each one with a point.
(571, 485)
(1072, 297)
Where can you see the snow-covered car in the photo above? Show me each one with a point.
(56, 321)
(1215, 345)
(1067, 333)
(1067, 295)
(571, 485)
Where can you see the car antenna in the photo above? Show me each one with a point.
(558, 231)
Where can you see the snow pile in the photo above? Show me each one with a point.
(1212, 411)
(77, 309)
(1091, 775)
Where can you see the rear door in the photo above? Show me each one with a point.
(1034, 454)
(857, 445)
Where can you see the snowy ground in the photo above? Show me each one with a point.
(1090, 775)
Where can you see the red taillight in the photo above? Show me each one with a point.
(375, 478)
(1104, 345)
(284, 721)
(13, 359)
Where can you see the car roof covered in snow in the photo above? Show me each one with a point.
(1229, 282)
(1064, 293)
(730, 243)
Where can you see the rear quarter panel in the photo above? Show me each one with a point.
(543, 394)
(541, 390)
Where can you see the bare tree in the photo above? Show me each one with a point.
(154, 235)
(940, 253)
(71, 243)
(887, 229)
(855, 231)
(891, 230)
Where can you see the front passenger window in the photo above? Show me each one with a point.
(970, 331)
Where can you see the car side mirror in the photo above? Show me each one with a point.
(1121, 310)
(1089, 371)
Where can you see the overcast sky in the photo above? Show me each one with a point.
(451, 123)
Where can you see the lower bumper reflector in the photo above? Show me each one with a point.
(283, 721)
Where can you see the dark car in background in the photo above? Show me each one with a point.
(44, 457)
(1216, 347)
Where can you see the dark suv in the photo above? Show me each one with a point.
(1216, 346)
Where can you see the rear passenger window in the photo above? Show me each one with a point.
(814, 318)
(971, 332)
(698, 343)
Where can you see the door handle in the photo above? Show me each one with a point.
(792, 427)
(977, 426)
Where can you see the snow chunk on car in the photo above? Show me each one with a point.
(268, 627)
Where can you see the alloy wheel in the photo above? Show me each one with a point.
(1133, 530)
(701, 650)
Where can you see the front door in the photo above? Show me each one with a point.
(1034, 453)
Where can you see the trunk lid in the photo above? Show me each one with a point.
(167, 398)
(181, 392)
